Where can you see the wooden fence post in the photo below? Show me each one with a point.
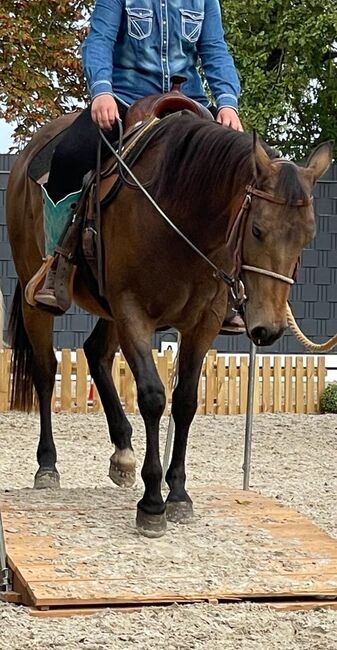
(81, 382)
(66, 368)
(5, 358)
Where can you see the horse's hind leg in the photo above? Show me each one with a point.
(34, 361)
(100, 349)
(184, 404)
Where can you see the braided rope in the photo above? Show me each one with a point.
(313, 347)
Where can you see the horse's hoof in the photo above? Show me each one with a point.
(123, 468)
(47, 479)
(151, 525)
(179, 512)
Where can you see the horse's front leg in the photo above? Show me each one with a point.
(135, 339)
(184, 405)
(100, 350)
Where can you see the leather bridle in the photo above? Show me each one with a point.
(236, 231)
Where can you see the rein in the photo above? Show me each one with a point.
(237, 230)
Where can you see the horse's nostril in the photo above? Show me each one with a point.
(259, 334)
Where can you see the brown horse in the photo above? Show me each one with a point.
(152, 278)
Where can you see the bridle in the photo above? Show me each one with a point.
(235, 232)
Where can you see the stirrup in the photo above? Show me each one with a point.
(233, 325)
(37, 281)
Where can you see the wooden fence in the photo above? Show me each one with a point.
(287, 385)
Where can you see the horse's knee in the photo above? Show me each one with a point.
(151, 399)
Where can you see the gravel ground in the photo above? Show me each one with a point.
(293, 460)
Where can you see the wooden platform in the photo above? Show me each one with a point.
(79, 548)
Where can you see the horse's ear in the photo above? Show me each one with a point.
(261, 160)
(320, 159)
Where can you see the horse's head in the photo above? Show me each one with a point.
(280, 224)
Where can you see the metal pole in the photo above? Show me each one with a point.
(249, 416)
(4, 572)
(171, 426)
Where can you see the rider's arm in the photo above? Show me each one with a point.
(216, 60)
(97, 49)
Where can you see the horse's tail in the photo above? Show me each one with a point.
(22, 393)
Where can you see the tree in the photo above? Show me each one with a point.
(285, 51)
(40, 67)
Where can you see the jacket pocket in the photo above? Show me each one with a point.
(191, 24)
(139, 22)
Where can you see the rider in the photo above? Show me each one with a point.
(134, 48)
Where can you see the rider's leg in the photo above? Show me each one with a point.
(73, 158)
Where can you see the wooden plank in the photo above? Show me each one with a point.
(211, 391)
(288, 385)
(130, 391)
(201, 409)
(81, 382)
(277, 386)
(283, 606)
(97, 404)
(321, 373)
(299, 385)
(65, 370)
(163, 371)
(221, 386)
(116, 372)
(310, 386)
(168, 354)
(243, 390)
(256, 400)
(10, 597)
(266, 389)
(232, 406)
(301, 606)
(5, 356)
(295, 557)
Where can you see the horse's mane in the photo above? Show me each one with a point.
(199, 155)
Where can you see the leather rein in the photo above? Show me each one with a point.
(235, 235)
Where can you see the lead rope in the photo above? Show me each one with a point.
(310, 345)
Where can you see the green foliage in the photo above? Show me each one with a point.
(286, 54)
(285, 51)
(328, 399)
(40, 67)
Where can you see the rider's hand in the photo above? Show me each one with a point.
(228, 117)
(104, 111)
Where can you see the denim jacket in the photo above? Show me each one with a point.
(134, 48)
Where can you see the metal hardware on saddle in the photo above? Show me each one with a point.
(176, 82)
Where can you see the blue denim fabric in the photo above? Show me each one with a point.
(134, 47)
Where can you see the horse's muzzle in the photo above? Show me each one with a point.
(263, 335)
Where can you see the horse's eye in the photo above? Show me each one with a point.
(256, 231)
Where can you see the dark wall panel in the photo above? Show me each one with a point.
(313, 298)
